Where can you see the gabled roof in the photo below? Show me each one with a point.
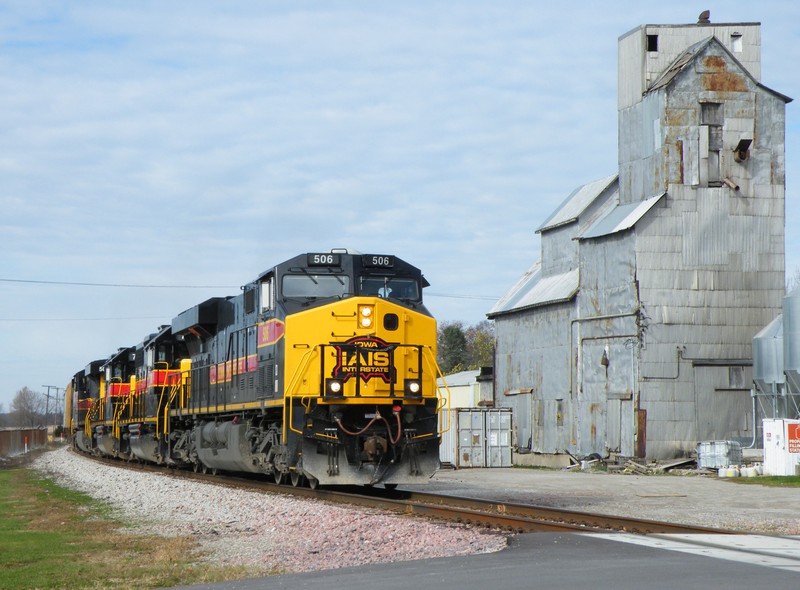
(459, 379)
(533, 290)
(687, 57)
(577, 202)
(620, 218)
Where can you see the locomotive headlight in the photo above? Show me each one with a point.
(365, 313)
(413, 387)
(333, 387)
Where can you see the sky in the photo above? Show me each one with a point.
(161, 153)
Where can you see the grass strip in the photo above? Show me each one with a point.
(53, 537)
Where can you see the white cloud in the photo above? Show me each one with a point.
(199, 143)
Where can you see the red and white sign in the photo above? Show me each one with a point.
(793, 438)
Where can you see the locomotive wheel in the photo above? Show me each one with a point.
(390, 486)
(196, 466)
(214, 471)
(205, 469)
(277, 476)
(313, 482)
(295, 477)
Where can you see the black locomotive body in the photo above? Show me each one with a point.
(322, 370)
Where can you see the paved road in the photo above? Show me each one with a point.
(550, 561)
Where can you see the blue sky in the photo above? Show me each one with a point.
(191, 145)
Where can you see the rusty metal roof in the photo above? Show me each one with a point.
(687, 57)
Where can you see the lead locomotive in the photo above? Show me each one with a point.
(322, 370)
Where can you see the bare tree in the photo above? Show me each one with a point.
(793, 282)
(28, 407)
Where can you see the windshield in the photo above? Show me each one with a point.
(311, 285)
(407, 289)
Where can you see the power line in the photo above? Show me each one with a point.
(450, 296)
(133, 286)
(125, 285)
(80, 319)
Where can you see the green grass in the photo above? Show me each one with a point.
(52, 537)
(788, 481)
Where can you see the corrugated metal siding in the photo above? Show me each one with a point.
(678, 291)
(638, 68)
(16, 441)
(532, 354)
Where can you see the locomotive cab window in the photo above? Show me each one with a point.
(308, 285)
(390, 287)
(249, 300)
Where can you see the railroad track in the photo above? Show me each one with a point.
(513, 517)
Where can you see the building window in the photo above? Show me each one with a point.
(736, 377)
(712, 118)
(711, 113)
(652, 43)
(736, 42)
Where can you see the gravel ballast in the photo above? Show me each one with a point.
(265, 532)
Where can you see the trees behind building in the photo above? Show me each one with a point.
(463, 348)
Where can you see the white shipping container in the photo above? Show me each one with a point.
(781, 447)
(478, 437)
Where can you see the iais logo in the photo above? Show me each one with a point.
(364, 356)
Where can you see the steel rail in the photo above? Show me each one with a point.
(501, 515)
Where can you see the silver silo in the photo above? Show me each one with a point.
(768, 358)
(791, 341)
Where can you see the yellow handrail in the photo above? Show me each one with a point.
(288, 391)
(119, 408)
(443, 403)
(87, 424)
(176, 388)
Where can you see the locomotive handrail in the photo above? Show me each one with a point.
(288, 393)
(94, 406)
(161, 403)
(119, 408)
(176, 387)
(443, 403)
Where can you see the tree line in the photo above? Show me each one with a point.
(464, 348)
(32, 409)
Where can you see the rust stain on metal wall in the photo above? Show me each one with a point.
(596, 412)
(714, 63)
(717, 79)
(676, 117)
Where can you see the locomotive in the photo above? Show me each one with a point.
(321, 371)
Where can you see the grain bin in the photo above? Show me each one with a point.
(791, 341)
(768, 357)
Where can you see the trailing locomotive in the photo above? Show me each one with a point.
(322, 370)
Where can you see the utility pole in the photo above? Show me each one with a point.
(47, 404)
